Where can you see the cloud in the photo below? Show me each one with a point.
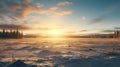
(53, 8)
(97, 20)
(11, 9)
(107, 31)
(27, 1)
(83, 30)
(15, 7)
(64, 3)
(61, 13)
(105, 14)
(39, 5)
(29, 9)
(6, 26)
(53, 11)
(56, 11)
(40, 28)
(17, 11)
(24, 27)
(117, 28)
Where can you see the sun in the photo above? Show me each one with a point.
(55, 33)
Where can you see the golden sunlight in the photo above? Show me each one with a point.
(55, 33)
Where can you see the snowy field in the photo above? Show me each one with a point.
(62, 52)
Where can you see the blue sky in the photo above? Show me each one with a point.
(72, 16)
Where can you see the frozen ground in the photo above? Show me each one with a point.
(63, 52)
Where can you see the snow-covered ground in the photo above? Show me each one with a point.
(63, 52)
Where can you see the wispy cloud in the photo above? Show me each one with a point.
(17, 11)
(107, 31)
(11, 26)
(83, 30)
(117, 28)
(64, 3)
(98, 20)
(27, 1)
(104, 15)
(57, 12)
(49, 12)
(24, 27)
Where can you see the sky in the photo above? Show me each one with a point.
(73, 17)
